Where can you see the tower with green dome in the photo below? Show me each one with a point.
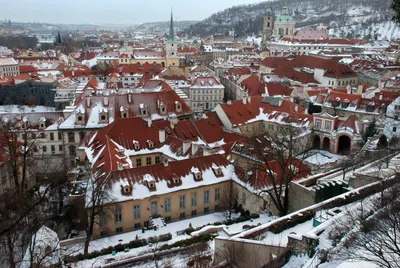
(284, 24)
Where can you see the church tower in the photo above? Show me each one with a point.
(267, 29)
(172, 46)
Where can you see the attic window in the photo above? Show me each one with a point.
(198, 176)
(150, 144)
(217, 170)
(41, 125)
(176, 179)
(136, 145)
(178, 106)
(126, 189)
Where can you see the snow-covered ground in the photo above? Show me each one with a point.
(320, 157)
(170, 228)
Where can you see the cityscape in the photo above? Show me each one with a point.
(236, 134)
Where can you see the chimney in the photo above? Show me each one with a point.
(249, 99)
(129, 98)
(229, 102)
(186, 146)
(172, 124)
(348, 88)
(149, 122)
(380, 96)
(105, 101)
(360, 89)
(165, 162)
(195, 148)
(244, 100)
(161, 135)
(88, 102)
(296, 107)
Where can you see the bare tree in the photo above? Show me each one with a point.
(98, 200)
(371, 236)
(231, 253)
(275, 158)
(229, 200)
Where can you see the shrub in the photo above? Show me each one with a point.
(165, 237)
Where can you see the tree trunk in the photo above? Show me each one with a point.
(11, 255)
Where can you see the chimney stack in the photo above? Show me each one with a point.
(161, 135)
(244, 100)
(149, 122)
(165, 162)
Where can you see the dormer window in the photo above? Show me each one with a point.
(136, 145)
(196, 174)
(163, 109)
(345, 103)
(178, 107)
(217, 170)
(143, 110)
(150, 144)
(176, 179)
(149, 180)
(126, 188)
(103, 117)
(80, 118)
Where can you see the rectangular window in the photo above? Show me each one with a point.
(217, 194)
(182, 202)
(206, 210)
(148, 161)
(103, 220)
(138, 162)
(182, 216)
(136, 211)
(60, 148)
(317, 123)
(53, 148)
(118, 215)
(137, 226)
(243, 198)
(394, 129)
(59, 136)
(44, 148)
(194, 199)
(118, 230)
(167, 205)
(206, 197)
(51, 136)
(158, 159)
(194, 213)
(328, 125)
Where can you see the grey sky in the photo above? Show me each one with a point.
(114, 11)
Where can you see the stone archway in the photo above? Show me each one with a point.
(317, 142)
(344, 145)
(326, 144)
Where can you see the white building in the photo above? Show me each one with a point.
(205, 93)
(8, 67)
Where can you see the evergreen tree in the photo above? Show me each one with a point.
(396, 7)
(370, 131)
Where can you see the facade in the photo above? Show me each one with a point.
(284, 24)
(8, 67)
(205, 93)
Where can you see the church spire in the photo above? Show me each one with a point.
(171, 37)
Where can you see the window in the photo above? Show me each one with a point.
(51, 136)
(59, 136)
(53, 148)
(81, 135)
(167, 205)
(158, 159)
(148, 161)
(206, 210)
(138, 162)
(243, 198)
(71, 137)
(194, 199)
(182, 216)
(328, 125)
(137, 226)
(44, 148)
(118, 215)
(118, 230)
(182, 202)
(206, 197)
(194, 213)
(103, 220)
(72, 150)
(60, 148)
(136, 211)
(317, 123)
(394, 129)
(217, 194)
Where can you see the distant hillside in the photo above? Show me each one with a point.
(162, 26)
(351, 18)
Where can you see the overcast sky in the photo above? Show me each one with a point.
(114, 11)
